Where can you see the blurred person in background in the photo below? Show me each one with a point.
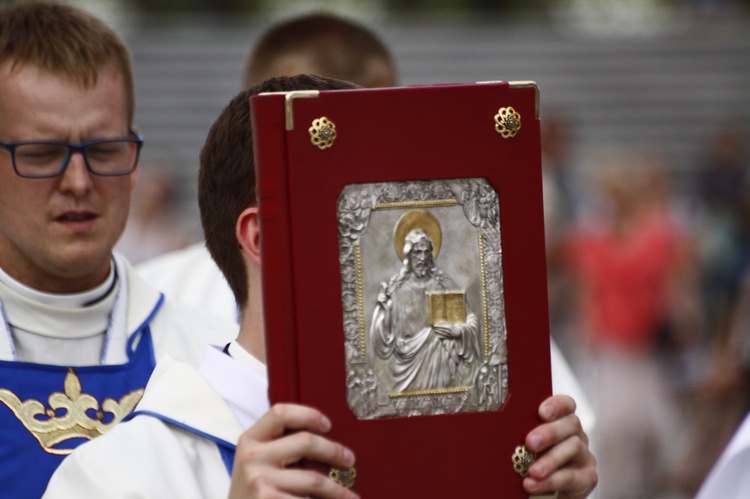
(722, 426)
(319, 43)
(721, 227)
(630, 262)
(717, 405)
(720, 398)
(155, 225)
(324, 44)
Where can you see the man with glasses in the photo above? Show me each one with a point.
(79, 331)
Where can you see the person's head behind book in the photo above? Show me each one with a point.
(226, 180)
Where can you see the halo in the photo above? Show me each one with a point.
(416, 219)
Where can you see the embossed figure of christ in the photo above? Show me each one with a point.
(422, 355)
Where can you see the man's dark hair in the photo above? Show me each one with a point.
(226, 180)
(322, 44)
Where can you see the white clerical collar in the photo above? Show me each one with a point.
(69, 300)
(238, 353)
(240, 379)
(74, 315)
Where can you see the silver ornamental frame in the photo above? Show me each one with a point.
(468, 210)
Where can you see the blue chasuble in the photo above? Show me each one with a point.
(47, 411)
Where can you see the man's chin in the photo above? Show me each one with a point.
(84, 262)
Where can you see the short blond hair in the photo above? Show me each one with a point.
(65, 41)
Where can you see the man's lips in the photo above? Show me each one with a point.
(78, 220)
(76, 217)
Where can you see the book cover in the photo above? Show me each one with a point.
(372, 204)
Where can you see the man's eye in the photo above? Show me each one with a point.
(39, 154)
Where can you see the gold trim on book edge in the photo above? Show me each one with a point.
(360, 300)
(435, 203)
(484, 297)
(289, 97)
(435, 391)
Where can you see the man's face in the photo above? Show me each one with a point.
(57, 234)
(420, 257)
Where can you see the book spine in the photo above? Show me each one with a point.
(277, 269)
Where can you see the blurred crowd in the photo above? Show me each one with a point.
(648, 290)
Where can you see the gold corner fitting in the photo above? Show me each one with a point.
(528, 84)
(289, 97)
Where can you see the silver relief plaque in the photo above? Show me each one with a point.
(422, 293)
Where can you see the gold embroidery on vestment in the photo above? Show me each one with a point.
(51, 430)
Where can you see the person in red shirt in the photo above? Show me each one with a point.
(628, 262)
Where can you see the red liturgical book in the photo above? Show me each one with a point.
(404, 278)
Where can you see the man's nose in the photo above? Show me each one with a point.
(76, 176)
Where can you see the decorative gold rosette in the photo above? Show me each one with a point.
(345, 476)
(522, 460)
(507, 122)
(322, 133)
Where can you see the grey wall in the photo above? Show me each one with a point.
(668, 89)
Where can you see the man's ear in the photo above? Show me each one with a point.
(248, 233)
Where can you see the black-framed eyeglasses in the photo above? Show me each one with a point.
(49, 158)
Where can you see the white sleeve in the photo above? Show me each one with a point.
(564, 382)
(729, 478)
(143, 458)
(190, 276)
